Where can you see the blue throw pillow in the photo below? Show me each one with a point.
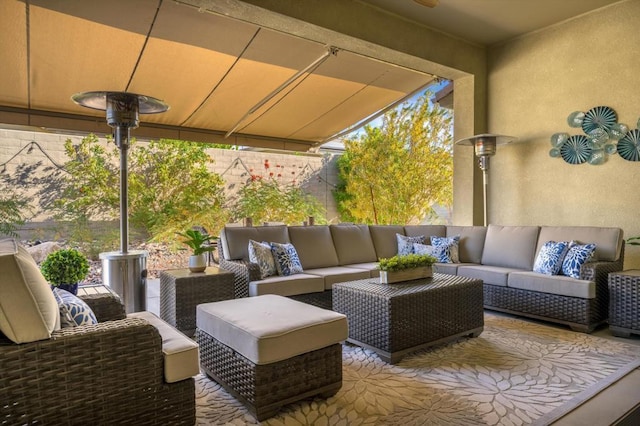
(287, 260)
(449, 247)
(405, 244)
(577, 256)
(550, 257)
(260, 253)
(437, 252)
(73, 310)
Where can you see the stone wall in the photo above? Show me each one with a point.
(26, 158)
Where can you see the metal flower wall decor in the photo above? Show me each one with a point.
(603, 136)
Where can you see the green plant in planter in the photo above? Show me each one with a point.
(197, 241)
(399, 263)
(65, 268)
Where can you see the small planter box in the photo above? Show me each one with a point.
(387, 277)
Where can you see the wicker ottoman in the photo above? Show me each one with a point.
(269, 351)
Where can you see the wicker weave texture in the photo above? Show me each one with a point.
(397, 317)
(624, 303)
(106, 306)
(181, 292)
(580, 314)
(243, 270)
(322, 299)
(265, 388)
(108, 373)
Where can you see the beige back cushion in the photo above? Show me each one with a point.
(426, 230)
(471, 242)
(510, 246)
(314, 246)
(608, 241)
(28, 309)
(353, 244)
(384, 239)
(235, 239)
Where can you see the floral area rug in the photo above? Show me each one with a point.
(513, 374)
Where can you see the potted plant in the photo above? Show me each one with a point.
(65, 268)
(199, 243)
(406, 268)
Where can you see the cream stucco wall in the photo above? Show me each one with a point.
(534, 83)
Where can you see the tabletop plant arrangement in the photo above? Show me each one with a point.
(65, 268)
(200, 245)
(406, 268)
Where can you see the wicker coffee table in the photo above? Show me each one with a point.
(182, 290)
(396, 319)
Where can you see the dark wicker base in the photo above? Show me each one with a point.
(396, 319)
(582, 315)
(322, 300)
(264, 389)
(624, 303)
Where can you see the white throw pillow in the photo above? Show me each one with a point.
(260, 253)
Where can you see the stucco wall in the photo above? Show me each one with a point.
(534, 83)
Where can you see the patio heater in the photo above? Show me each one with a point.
(484, 148)
(124, 271)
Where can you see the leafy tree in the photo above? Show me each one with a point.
(267, 200)
(12, 210)
(170, 188)
(396, 173)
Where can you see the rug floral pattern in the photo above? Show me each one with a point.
(514, 373)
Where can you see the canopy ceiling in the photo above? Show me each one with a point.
(213, 71)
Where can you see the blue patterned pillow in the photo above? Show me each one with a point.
(73, 310)
(449, 248)
(287, 260)
(550, 257)
(260, 253)
(437, 252)
(577, 255)
(405, 244)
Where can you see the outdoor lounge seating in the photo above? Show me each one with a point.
(502, 256)
(122, 370)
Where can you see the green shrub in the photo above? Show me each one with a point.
(66, 266)
(398, 263)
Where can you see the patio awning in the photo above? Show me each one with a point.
(220, 76)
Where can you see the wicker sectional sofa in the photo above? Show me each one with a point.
(502, 256)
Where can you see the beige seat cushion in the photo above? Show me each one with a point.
(552, 284)
(339, 274)
(270, 328)
(181, 359)
(495, 275)
(28, 309)
(289, 285)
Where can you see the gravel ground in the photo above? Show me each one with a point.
(160, 257)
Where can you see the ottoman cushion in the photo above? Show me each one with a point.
(271, 328)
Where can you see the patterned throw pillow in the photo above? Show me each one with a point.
(437, 252)
(450, 248)
(73, 310)
(550, 257)
(287, 260)
(260, 253)
(405, 244)
(577, 255)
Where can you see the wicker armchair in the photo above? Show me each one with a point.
(108, 373)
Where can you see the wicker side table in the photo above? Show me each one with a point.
(181, 291)
(624, 303)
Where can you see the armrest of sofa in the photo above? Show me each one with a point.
(598, 271)
(106, 306)
(244, 272)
